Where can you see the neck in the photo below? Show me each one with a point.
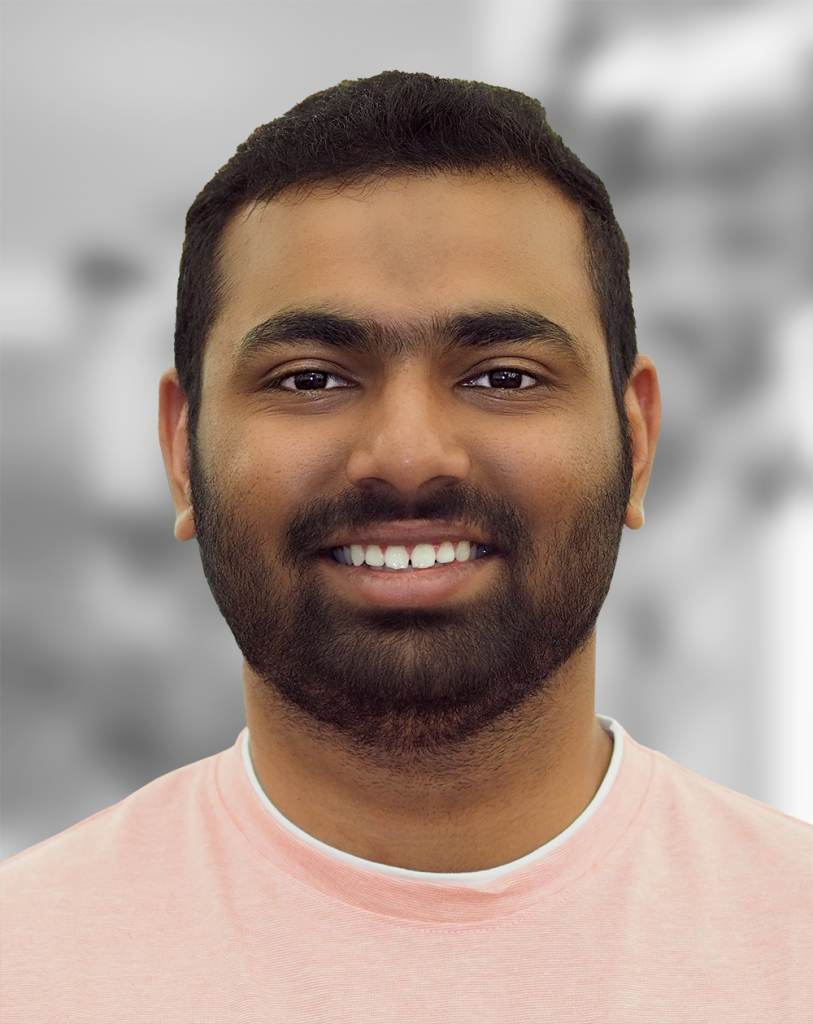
(491, 801)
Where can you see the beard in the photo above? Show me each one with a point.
(395, 683)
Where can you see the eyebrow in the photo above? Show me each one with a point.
(475, 330)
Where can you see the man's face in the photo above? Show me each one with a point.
(302, 442)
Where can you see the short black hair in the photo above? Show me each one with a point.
(396, 123)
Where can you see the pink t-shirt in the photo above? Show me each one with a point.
(670, 899)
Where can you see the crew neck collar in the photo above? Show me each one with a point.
(459, 898)
(471, 879)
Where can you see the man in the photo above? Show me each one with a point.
(407, 424)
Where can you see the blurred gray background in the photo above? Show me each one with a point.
(117, 666)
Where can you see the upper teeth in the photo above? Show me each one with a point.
(397, 556)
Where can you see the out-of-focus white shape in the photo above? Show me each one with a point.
(788, 596)
(797, 356)
(752, 58)
(518, 42)
(120, 402)
(36, 309)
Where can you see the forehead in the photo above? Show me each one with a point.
(405, 247)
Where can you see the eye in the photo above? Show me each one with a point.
(505, 378)
(309, 379)
(500, 379)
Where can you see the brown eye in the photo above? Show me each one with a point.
(505, 378)
(306, 380)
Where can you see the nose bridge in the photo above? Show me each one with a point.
(408, 435)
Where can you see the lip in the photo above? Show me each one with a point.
(408, 534)
(408, 588)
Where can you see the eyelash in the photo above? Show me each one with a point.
(276, 383)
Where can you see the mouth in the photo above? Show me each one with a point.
(407, 586)
(399, 558)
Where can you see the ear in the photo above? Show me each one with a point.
(643, 403)
(172, 431)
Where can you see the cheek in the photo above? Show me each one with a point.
(542, 471)
(272, 475)
(549, 474)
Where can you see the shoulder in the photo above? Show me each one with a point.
(102, 905)
(144, 827)
(703, 823)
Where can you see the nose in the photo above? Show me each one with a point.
(409, 437)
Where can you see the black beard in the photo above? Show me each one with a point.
(398, 682)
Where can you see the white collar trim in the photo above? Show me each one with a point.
(473, 879)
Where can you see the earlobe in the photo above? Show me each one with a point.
(635, 515)
(185, 524)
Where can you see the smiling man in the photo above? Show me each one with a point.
(407, 425)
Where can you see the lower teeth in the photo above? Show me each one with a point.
(409, 568)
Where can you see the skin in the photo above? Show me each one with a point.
(399, 250)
